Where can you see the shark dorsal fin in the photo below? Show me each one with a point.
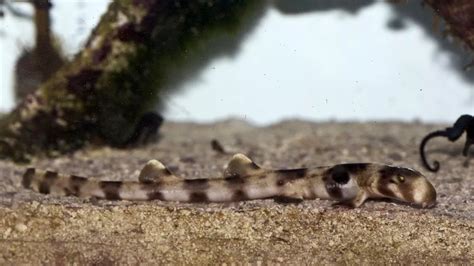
(241, 165)
(155, 171)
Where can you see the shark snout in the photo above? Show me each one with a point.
(425, 194)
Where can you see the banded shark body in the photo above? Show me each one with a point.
(351, 184)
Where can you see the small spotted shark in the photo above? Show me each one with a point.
(349, 184)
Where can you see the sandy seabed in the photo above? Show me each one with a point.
(44, 229)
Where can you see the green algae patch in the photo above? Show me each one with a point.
(120, 74)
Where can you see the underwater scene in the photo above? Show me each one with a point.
(236, 132)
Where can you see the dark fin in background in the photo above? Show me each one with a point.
(217, 147)
(146, 130)
(28, 177)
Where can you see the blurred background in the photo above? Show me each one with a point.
(317, 60)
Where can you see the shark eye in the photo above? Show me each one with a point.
(397, 179)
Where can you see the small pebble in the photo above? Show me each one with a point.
(7, 232)
(21, 227)
(34, 204)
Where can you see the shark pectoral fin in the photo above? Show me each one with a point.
(155, 171)
(358, 200)
(287, 199)
(241, 165)
(355, 202)
(291, 194)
